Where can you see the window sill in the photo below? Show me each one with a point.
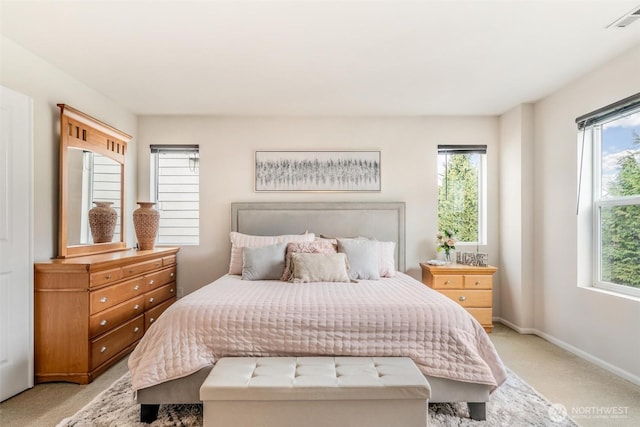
(610, 293)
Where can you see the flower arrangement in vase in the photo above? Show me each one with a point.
(446, 241)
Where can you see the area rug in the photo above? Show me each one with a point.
(514, 404)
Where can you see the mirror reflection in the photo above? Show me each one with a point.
(92, 180)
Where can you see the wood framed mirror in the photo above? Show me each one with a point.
(92, 160)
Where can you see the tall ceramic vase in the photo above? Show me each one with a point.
(102, 221)
(146, 221)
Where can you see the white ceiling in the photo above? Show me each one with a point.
(322, 57)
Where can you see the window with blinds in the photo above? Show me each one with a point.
(175, 184)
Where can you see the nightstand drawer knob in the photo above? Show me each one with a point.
(462, 298)
(447, 282)
(103, 349)
(477, 283)
(103, 300)
(103, 322)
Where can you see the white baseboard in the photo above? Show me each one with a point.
(570, 348)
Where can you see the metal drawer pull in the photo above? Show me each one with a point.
(151, 320)
(171, 290)
(108, 276)
(462, 298)
(135, 307)
(136, 330)
(151, 299)
(447, 282)
(132, 270)
(477, 283)
(151, 282)
(103, 299)
(103, 349)
(136, 287)
(103, 322)
(173, 274)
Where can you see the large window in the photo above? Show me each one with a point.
(462, 191)
(175, 184)
(615, 198)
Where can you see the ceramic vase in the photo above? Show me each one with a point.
(102, 221)
(146, 221)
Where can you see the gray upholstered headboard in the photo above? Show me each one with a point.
(383, 221)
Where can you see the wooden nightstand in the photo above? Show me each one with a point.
(469, 286)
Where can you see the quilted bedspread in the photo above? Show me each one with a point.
(389, 317)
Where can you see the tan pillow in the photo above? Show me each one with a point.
(315, 247)
(319, 267)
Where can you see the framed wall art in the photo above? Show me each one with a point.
(317, 171)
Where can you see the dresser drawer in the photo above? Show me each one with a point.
(110, 344)
(141, 267)
(113, 295)
(484, 316)
(155, 280)
(478, 282)
(447, 282)
(104, 277)
(469, 298)
(153, 298)
(169, 260)
(153, 314)
(108, 319)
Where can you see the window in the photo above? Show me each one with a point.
(614, 202)
(175, 186)
(462, 191)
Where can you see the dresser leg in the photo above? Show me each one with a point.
(148, 413)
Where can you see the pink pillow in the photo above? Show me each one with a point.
(316, 247)
(239, 241)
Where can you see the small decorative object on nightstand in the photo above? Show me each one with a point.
(469, 286)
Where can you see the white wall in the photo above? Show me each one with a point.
(47, 85)
(227, 146)
(597, 325)
(516, 216)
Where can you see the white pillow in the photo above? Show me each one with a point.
(363, 258)
(386, 259)
(239, 241)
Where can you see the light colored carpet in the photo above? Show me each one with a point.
(515, 403)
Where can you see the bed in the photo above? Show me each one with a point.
(395, 316)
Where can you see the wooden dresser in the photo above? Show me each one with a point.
(469, 286)
(92, 310)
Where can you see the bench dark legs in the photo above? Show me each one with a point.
(148, 413)
(477, 410)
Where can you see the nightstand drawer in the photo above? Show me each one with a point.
(484, 316)
(478, 282)
(447, 282)
(469, 298)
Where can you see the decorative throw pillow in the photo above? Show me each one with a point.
(319, 267)
(264, 263)
(315, 247)
(240, 241)
(363, 258)
(386, 259)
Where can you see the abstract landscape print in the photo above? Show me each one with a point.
(317, 171)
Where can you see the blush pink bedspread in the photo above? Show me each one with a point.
(389, 317)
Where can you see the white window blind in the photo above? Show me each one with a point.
(175, 182)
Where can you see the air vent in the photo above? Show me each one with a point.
(625, 20)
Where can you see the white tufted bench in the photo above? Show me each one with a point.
(315, 392)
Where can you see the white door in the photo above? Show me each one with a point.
(16, 256)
